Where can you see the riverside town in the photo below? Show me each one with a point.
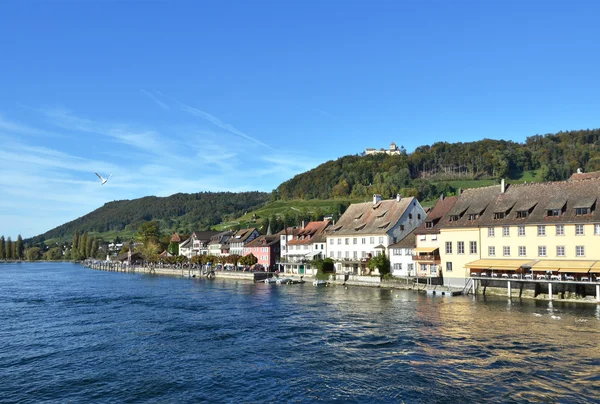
(528, 240)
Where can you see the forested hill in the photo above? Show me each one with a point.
(183, 212)
(556, 156)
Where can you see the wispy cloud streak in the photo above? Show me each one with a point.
(216, 121)
(155, 99)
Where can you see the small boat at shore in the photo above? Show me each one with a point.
(320, 282)
(270, 280)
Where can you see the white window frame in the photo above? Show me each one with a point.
(505, 231)
(522, 251)
(542, 251)
(541, 230)
(559, 249)
(492, 251)
(521, 231)
(579, 230)
(560, 229)
(491, 232)
(580, 251)
(506, 251)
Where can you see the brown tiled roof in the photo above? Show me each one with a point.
(204, 235)
(289, 231)
(241, 235)
(435, 215)
(176, 238)
(308, 234)
(410, 241)
(259, 241)
(535, 199)
(369, 218)
(584, 176)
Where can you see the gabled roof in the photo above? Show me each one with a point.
(263, 241)
(310, 232)
(535, 198)
(441, 209)
(369, 218)
(204, 235)
(187, 243)
(175, 238)
(242, 235)
(410, 241)
(584, 176)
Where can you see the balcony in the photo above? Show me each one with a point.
(427, 259)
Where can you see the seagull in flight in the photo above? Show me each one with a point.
(102, 179)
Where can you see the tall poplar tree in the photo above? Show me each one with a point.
(20, 250)
(75, 246)
(83, 245)
(94, 250)
(88, 247)
(2, 248)
(9, 248)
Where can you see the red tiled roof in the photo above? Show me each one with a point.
(176, 238)
(584, 176)
(308, 234)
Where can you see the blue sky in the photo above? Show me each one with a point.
(175, 96)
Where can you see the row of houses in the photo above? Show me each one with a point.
(502, 229)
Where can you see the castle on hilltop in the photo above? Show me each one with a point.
(392, 151)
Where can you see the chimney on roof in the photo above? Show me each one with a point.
(502, 186)
(398, 197)
(460, 191)
(303, 224)
(579, 171)
(376, 198)
(442, 196)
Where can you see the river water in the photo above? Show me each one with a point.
(71, 334)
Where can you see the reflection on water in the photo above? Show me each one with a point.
(72, 334)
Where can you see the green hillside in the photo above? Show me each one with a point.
(180, 212)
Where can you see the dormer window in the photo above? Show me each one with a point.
(499, 215)
(429, 225)
(522, 214)
(473, 216)
(582, 211)
(553, 212)
(454, 218)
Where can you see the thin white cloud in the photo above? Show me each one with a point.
(156, 100)
(325, 112)
(216, 121)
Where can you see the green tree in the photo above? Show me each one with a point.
(381, 262)
(33, 254)
(150, 251)
(9, 248)
(249, 259)
(88, 248)
(53, 254)
(148, 232)
(173, 248)
(2, 248)
(75, 242)
(19, 248)
(94, 248)
(83, 245)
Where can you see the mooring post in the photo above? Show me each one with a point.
(550, 290)
(598, 293)
(474, 286)
(509, 292)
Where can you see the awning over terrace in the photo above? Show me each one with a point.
(568, 266)
(427, 250)
(504, 265)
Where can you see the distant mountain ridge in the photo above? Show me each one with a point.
(189, 212)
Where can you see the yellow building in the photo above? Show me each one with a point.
(537, 229)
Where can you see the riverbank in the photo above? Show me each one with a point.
(414, 284)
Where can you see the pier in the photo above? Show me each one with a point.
(582, 290)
